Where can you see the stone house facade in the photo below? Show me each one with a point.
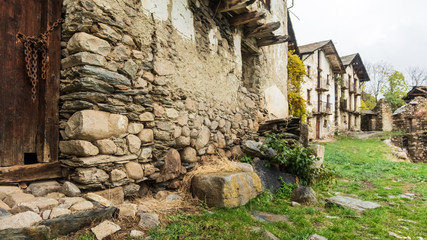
(412, 120)
(323, 64)
(147, 88)
(348, 94)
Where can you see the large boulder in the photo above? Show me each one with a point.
(226, 189)
(94, 125)
(304, 195)
(271, 177)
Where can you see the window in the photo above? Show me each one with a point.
(308, 96)
(327, 79)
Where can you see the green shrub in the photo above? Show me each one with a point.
(285, 191)
(246, 159)
(292, 157)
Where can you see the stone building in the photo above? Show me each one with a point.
(412, 119)
(348, 93)
(377, 119)
(417, 91)
(323, 65)
(138, 91)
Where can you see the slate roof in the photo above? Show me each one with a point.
(358, 66)
(330, 51)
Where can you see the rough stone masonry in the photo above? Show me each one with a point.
(142, 98)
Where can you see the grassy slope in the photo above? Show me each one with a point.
(361, 169)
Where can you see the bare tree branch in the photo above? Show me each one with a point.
(418, 76)
(379, 74)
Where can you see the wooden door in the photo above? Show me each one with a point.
(318, 119)
(349, 122)
(28, 130)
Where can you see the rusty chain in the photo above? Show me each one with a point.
(33, 46)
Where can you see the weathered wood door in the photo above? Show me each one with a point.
(28, 130)
(318, 119)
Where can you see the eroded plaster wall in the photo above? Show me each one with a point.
(348, 100)
(326, 115)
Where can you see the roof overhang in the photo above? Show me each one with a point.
(330, 52)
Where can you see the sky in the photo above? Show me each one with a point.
(391, 31)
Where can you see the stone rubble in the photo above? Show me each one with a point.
(105, 229)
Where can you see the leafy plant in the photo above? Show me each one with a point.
(285, 191)
(294, 158)
(296, 73)
(246, 159)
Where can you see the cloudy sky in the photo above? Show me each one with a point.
(380, 30)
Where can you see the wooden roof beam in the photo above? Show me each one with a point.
(245, 18)
(272, 40)
(263, 30)
(230, 5)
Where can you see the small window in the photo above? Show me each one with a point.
(308, 71)
(327, 79)
(308, 96)
(325, 123)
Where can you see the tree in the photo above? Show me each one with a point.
(378, 74)
(395, 89)
(418, 76)
(367, 102)
(296, 73)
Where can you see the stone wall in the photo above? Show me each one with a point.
(384, 121)
(147, 89)
(415, 144)
(410, 118)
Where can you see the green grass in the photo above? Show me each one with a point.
(362, 168)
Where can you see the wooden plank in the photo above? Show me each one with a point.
(3, 48)
(249, 46)
(48, 132)
(28, 173)
(272, 40)
(26, 110)
(231, 5)
(263, 30)
(9, 126)
(245, 18)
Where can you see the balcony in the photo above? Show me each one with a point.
(322, 108)
(322, 86)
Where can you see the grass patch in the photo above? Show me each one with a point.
(362, 169)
